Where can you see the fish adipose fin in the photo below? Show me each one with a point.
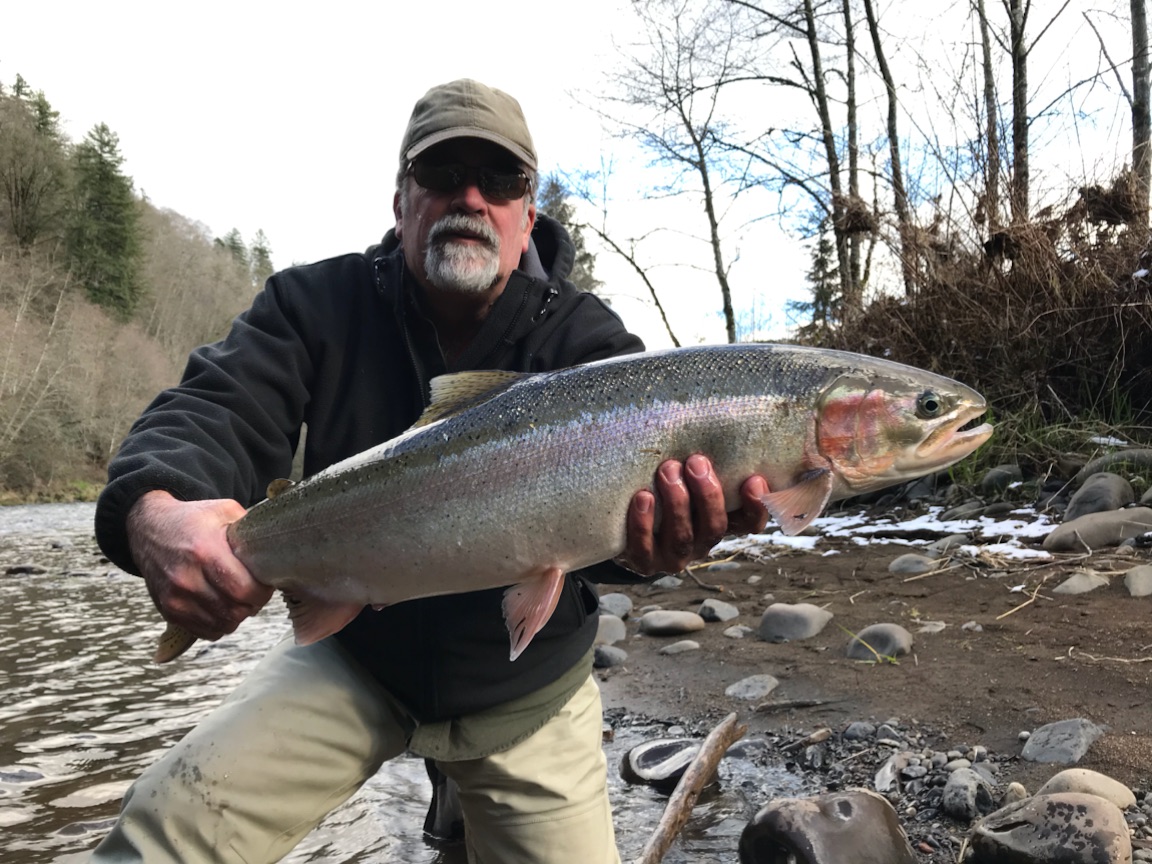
(529, 605)
(313, 620)
(174, 641)
(278, 486)
(794, 508)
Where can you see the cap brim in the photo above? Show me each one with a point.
(469, 132)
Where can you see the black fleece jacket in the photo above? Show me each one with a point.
(342, 347)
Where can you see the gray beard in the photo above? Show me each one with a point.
(464, 267)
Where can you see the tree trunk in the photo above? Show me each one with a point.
(714, 236)
(853, 137)
(852, 303)
(1017, 19)
(1141, 123)
(992, 127)
(903, 218)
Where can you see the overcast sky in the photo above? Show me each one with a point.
(287, 117)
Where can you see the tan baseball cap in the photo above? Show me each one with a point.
(468, 109)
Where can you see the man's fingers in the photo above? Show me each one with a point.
(640, 551)
(707, 495)
(693, 518)
(676, 538)
(236, 587)
(208, 601)
(190, 613)
(752, 517)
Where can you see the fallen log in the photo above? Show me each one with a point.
(683, 798)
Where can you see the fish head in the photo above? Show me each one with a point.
(887, 427)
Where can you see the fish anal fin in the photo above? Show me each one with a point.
(174, 641)
(529, 604)
(459, 390)
(794, 508)
(313, 620)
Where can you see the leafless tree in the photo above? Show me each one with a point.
(1019, 190)
(1141, 120)
(903, 217)
(990, 209)
(667, 99)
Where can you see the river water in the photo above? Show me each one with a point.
(82, 711)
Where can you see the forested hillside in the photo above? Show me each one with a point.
(102, 294)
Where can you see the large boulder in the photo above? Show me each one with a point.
(1101, 492)
(1062, 828)
(856, 826)
(791, 622)
(1099, 530)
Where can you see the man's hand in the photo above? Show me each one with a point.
(692, 516)
(195, 581)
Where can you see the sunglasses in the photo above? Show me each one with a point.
(501, 184)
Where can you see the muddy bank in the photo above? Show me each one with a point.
(997, 653)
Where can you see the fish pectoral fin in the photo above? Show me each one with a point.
(794, 508)
(528, 606)
(174, 641)
(313, 620)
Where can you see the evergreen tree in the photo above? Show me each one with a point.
(233, 242)
(824, 280)
(552, 199)
(104, 237)
(260, 256)
(34, 171)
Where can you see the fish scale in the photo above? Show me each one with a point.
(511, 479)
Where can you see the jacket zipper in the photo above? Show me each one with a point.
(551, 293)
(402, 299)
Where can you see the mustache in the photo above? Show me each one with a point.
(458, 223)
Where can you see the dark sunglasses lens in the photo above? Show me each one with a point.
(505, 185)
(439, 178)
(496, 183)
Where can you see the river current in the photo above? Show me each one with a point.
(82, 711)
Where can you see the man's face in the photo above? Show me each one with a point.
(461, 239)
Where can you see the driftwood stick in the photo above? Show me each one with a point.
(683, 798)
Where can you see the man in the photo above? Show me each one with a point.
(469, 278)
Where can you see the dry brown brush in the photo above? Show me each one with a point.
(1051, 321)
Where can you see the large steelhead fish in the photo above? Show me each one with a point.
(516, 479)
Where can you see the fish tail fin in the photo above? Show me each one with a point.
(528, 606)
(313, 620)
(794, 508)
(174, 641)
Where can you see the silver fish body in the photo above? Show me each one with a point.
(516, 479)
(538, 475)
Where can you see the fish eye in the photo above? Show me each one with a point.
(929, 405)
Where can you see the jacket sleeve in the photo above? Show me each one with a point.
(228, 428)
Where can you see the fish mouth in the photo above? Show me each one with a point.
(955, 437)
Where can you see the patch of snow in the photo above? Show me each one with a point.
(1108, 441)
(1006, 535)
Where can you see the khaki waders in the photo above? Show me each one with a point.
(308, 727)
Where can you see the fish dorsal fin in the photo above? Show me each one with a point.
(277, 487)
(459, 390)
